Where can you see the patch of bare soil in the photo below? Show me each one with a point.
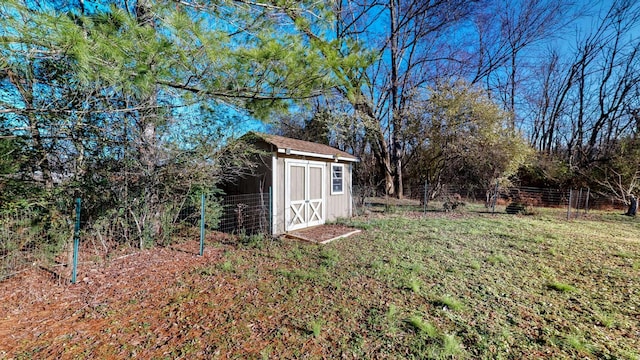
(37, 306)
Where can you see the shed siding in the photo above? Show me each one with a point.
(276, 190)
(252, 184)
(339, 205)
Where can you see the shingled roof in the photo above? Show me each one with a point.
(301, 147)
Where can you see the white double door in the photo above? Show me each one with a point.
(304, 193)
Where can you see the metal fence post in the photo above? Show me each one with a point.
(586, 202)
(76, 241)
(569, 207)
(202, 221)
(426, 195)
(495, 197)
(578, 203)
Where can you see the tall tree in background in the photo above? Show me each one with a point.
(458, 133)
(417, 31)
(503, 46)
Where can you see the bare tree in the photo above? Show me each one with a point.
(508, 33)
(585, 104)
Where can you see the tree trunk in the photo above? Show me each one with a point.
(633, 206)
(383, 158)
(148, 118)
(42, 153)
(396, 140)
(378, 144)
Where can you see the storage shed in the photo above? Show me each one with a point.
(310, 183)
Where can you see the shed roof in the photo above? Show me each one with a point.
(305, 148)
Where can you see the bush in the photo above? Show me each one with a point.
(516, 208)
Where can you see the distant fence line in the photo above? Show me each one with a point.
(28, 239)
(498, 198)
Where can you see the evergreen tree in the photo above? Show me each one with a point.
(124, 103)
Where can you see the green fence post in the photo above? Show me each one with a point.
(202, 219)
(76, 241)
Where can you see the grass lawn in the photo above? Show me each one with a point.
(459, 285)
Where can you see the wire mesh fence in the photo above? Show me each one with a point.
(28, 239)
(494, 199)
(246, 214)
(47, 239)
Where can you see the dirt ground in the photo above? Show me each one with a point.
(36, 303)
(39, 307)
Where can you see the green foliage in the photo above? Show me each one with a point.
(14, 193)
(450, 346)
(10, 157)
(546, 171)
(515, 208)
(462, 134)
(141, 103)
(496, 259)
(329, 257)
(252, 241)
(227, 266)
(432, 343)
(414, 284)
(578, 343)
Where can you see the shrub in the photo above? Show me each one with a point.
(516, 208)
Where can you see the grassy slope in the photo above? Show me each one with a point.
(471, 286)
